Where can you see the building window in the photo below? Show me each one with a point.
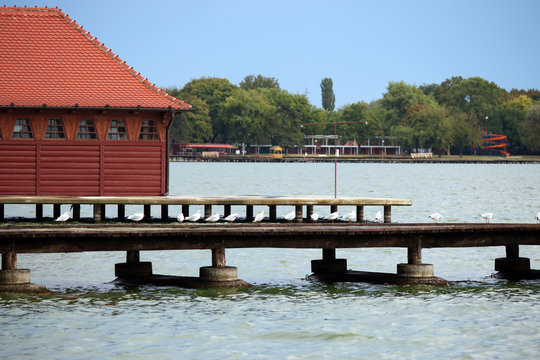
(87, 130)
(148, 130)
(55, 129)
(22, 129)
(117, 130)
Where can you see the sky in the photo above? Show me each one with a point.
(361, 45)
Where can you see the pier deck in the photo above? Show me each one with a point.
(119, 237)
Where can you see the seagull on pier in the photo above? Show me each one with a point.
(195, 217)
(230, 218)
(290, 217)
(436, 217)
(213, 218)
(488, 216)
(349, 216)
(378, 216)
(259, 216)
(314, 217)
(63, 218)
(333, 216)
(180, 217)
(136, 217)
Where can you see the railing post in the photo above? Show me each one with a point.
(207, 210)
(299, 213)
(360, 213)
(56, 210)
(273, 212)
(249, 213)
(147, 211)
(39, 211)
(121, 212)
(164, 212)
(77, 212)
(387, 214)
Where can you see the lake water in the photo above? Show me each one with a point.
(285, 316)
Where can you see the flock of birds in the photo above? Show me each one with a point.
(436, 217)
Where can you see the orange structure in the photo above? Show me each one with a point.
(494, 142)
(75, 119)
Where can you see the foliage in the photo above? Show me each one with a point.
(531, 128)
(327, 94)
(192, 126)
(251, 82)
(446, 116)
(397, 100)
(243, 117)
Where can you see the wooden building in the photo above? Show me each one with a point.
(75, 119)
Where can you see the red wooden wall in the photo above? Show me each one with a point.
(97, 167)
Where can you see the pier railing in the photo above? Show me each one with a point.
(208, 201)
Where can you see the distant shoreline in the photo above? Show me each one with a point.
(352, 159)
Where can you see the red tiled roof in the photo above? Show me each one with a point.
(47, 58)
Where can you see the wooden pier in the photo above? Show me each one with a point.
(165, 233)
(227, 201)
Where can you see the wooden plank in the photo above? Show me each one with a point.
(325, 236)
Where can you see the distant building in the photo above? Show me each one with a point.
(75, 119)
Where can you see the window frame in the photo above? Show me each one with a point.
(54, 133)
(145, 134)
(30, 132)
(86, 133)
(119, 135)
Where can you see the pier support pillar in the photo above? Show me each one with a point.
(309, 211)
(328, 264)
(387, 214)
(207, 210)
(121, 210)
(360, 213)
(13, 279)
(99, 212)
(299, 213)
(218, 271)
(76, 212)
(414, 267)
(133, 267)
(273, 213)
(512, 263)
(56, 210)
(147, 209)
(249, 212)
(39, 211)
(164, 212)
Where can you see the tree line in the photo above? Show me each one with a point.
(448, 117)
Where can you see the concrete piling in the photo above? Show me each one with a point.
(133, 267)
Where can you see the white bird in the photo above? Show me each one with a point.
(195, 217)
(290, 217)
(333, 216)
(180, 217)
(378, 216)
(259, 216)
(63, 218)
(136, 217)
(213, 218)
(436, 217)
(314, 217)
(230, 218)
(349, 216)
(488, 216)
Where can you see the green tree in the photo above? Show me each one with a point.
(245, 117)
(289, 112)
(474, 95)
(466, 133)
(359, 111)
(327, 94)
(397, 100)
(213, 91)
(258, 82)
(531, 128)
(192, 126)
